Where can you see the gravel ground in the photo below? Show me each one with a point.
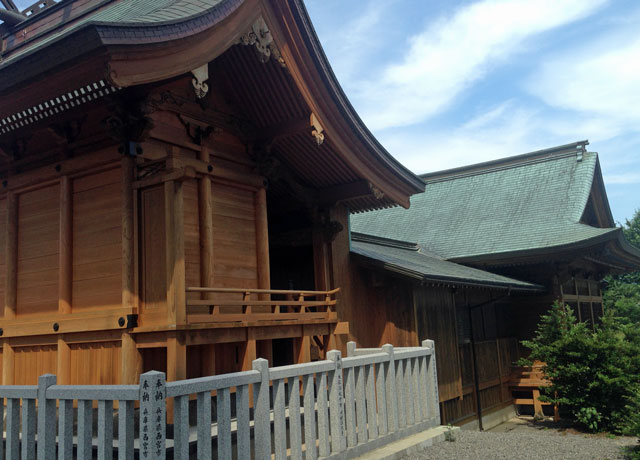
(523, 439)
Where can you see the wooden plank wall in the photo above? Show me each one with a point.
(379, 310)
(31, 362)
(153, 277)
(38, 251)
(436, 320)
(97, 241)
(234, 237)
(98, 363)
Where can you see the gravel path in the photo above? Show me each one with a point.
(527, 441)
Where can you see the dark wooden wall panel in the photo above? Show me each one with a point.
(436, 320)
(153, 274)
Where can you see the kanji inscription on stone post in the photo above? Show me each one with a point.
(153, 415)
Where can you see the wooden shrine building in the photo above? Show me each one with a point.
(534, 228)
(176, 181)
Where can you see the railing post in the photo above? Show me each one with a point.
(392, 400)
(262, 424)
(351, 349)
(46, 419)
(153, 415)
(336, 403)
(432, 382)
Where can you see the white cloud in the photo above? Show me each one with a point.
(452, 53)
(623, 178)
(506, 130)
(602, 85)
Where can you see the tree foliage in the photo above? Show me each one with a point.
(594, 373)
(622, 292)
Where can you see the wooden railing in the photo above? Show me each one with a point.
(222, 305)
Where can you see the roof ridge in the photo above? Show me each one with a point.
(381, 241)
(526, 159)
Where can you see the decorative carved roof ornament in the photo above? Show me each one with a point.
(317, 129)
(260, 37)
(379, 194)
(200, 76)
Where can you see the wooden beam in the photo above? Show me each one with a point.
(65, 277)
(262, 239)
(128, 262)
(174, 250)
(11, 254)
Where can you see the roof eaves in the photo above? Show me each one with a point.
(580, 244)
(432, 278)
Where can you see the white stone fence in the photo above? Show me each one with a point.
(337, 408)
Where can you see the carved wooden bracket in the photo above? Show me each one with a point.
(317, 129)
(260, 37)
(197, 130)
(200, 76)
(128, 125)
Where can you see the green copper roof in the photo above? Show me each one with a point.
(502, 207)
(413, 261)
(124, 13)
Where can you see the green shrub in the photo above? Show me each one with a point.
(595, 374)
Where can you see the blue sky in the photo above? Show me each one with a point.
(444, 83)
(447, 83)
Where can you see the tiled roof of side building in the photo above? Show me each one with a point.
(411, 260)
(520, 204)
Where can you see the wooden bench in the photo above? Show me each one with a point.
(531, 379)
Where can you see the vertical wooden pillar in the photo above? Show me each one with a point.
(11, 253)
(176, 364)
(321, 261)
(131, 360)
(302, 349)
(128, 262)
(205, 214)
(131, 357)
(8, 364)
(65, 278)
(174, 249)
(65, 246)
(63, 368)
(340, 277)
(249, 351)
(262, 240)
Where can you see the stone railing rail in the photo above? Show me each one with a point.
(337, 408)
